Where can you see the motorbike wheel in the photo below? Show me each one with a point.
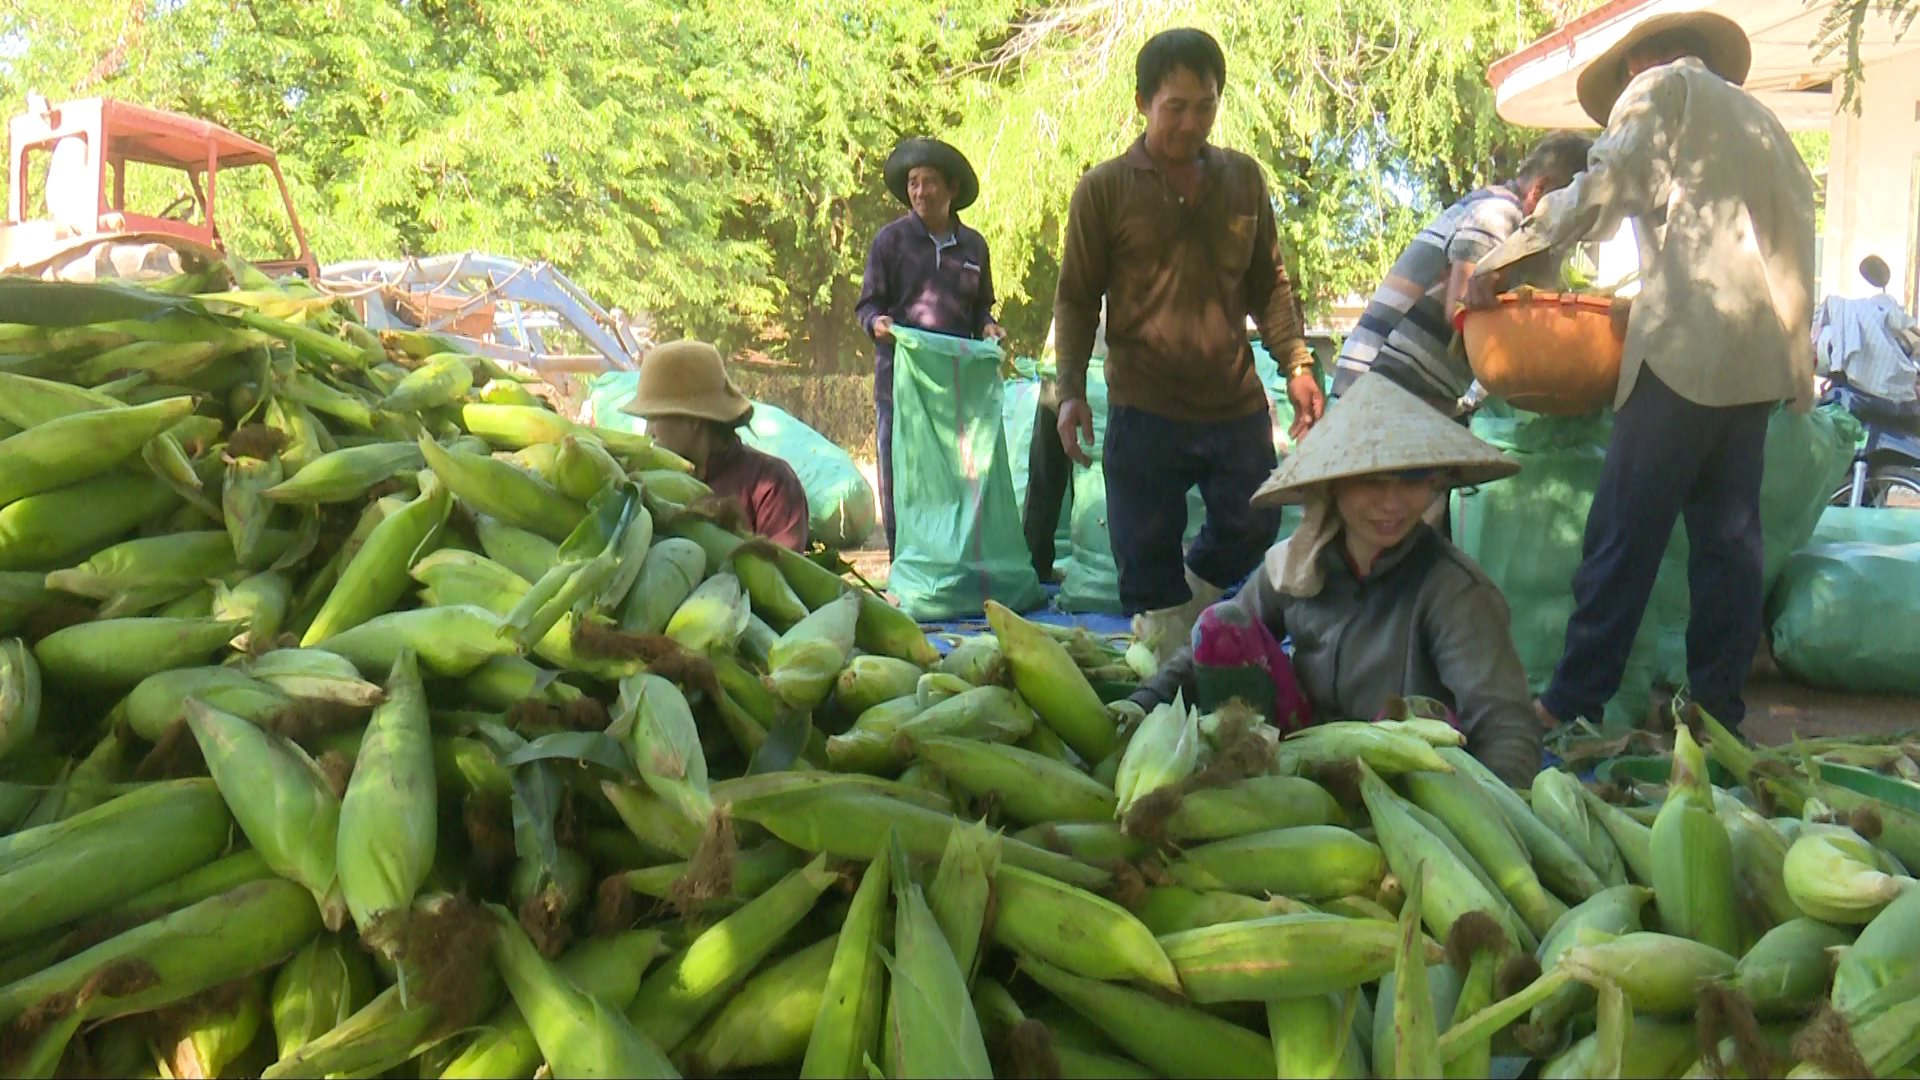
(1894, 487)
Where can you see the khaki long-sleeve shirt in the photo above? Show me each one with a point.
(1722, 207)
(1425, 622)
(1180, 278)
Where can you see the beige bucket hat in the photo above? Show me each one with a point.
(1728, 54)
(687, 378)
(1376, 428)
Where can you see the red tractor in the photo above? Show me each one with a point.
(90, 184)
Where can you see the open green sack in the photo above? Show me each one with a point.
(841, 508)
(1847, 617)
(958, 541)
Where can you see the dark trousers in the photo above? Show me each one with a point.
(1670, 460)
(883, 437)
(1151, 462)
(1049, 473)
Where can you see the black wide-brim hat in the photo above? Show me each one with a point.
(913, 153)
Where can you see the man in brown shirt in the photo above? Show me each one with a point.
(1178, 236)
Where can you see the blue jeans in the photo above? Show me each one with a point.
(1151, 462)
(1670, 460)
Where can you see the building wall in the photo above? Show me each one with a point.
(1873, 182)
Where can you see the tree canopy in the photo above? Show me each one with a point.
(717, 164)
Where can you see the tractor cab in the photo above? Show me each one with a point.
(104, 189)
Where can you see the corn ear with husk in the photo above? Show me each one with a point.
(1171, 1039)
(79, 446)
(1049, 679)
(1693, 877)
(1471, 816)
(55, 527)
(1556, 800)
(19, 696)
(960, 891)
(210, 1037)
(245, 510)
(933, 688)
(578, 1034)
(1557, 864)
(1631, 839)
(1653, 1048)
(608, 969)
(1311, 862)
(978, 660)
(94, 860)
(174, 957)
(498, 489)
(808, 658)
(931, 1029)
(674, 1000)
(376, 577)
(1076, 930)
(986, 712)
(121, 652)
(346, 474)
(280, 800)
(1170, 909)
(666, 744)
(768, 1023)
(1660, 973)
(673, 568)
(1027, 787)
(1835, 876)
(326, 982)
(1790, 969)
(1476, 948)
(1882, 966)
(450, 641)
(773, 598)
(186, 558)
(846, 1029)
(1453, 887)
(1313, 1036)
(867, 681)
(1161, 753)
(1282, 956)
(388, 817)
(261, 602)
(712, 618)
(1415, 1045)
(849, 823)
(1385, 751)
(1256, 804)
(315, 675)
(441, 379)
(159, 701)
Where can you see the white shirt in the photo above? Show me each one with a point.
(1859, 339)
(1722, 207)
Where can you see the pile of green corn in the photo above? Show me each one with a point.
(359, 715)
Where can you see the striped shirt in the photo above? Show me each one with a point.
(1404, 332)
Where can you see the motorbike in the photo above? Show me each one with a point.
(1886, 469)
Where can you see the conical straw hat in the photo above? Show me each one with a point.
(1379, 427)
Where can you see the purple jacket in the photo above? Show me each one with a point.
(948, 290)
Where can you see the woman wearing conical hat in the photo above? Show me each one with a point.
(1378, 604)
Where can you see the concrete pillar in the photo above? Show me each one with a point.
(1873, 183)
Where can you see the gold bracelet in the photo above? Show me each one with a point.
(1298, 367)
